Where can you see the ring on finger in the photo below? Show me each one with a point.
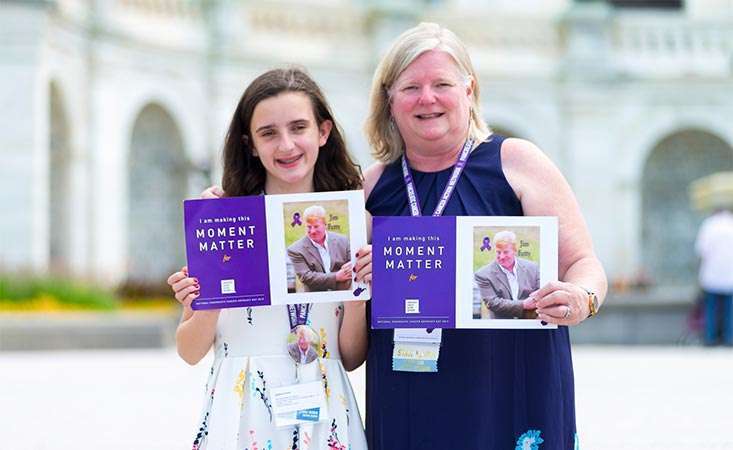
(567, 312)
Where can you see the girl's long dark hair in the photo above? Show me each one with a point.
(244, 174)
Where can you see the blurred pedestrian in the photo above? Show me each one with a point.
(714, 246)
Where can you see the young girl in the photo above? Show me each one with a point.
(281, 140)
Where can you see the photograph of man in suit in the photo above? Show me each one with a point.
(302, 350)
(506, 283)
(321, 259)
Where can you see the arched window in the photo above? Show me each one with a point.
(157, 184)
(669, 224)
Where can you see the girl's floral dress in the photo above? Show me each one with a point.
(251, 359)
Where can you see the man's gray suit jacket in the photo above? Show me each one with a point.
(309, 267)
(497, 294)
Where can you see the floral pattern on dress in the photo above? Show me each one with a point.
(201, 435)
(239, 387)
(252, 441)
(345, 404)
(252, 387)
(333, 438)
(530, 440)
(263, 393)
(252, 363)
(323, 351)
(324, 378)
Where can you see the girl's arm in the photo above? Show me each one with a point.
(353, 335)
(197, 329)
(353, 332)
(353, 341)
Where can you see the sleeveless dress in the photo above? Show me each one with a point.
(251, 358)
(494, 389)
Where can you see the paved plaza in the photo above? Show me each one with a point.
(627, 398)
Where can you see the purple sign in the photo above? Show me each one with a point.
(226, 249)
(414, 272)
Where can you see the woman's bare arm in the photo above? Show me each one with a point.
(543, 191)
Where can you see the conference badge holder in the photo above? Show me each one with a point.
(299, 404)
(416, 349)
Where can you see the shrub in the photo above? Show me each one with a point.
(17, 290)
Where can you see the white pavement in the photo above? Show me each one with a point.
(626, 398)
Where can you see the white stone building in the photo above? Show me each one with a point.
(113, 111)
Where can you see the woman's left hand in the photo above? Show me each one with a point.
(363, 266)
(561, 303)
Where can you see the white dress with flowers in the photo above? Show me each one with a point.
(251, 358)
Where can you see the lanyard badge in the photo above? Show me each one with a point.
(303, 341)
(418, 349)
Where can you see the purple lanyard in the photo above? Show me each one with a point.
(298, 314)
(449, 188)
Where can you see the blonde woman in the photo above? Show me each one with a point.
(494, 389)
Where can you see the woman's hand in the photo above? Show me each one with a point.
(363, 267)
(561, 303)
(185, 288)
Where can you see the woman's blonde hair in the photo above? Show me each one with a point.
(382, 133)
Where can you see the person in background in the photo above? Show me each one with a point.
(714, 246)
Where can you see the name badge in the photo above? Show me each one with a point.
(416, 349)
(299, 404)
(418, 335)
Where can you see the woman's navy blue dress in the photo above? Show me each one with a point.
(494, 389)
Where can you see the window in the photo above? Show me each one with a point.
(647, 4)
(660, 4)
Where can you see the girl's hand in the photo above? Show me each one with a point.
(212, 192)
(363, 266)
(185, 288)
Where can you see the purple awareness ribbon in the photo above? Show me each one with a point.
(296, 220)
(487, 244)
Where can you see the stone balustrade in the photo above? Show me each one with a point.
(671, 44)
(172, 9)
(635, 43)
